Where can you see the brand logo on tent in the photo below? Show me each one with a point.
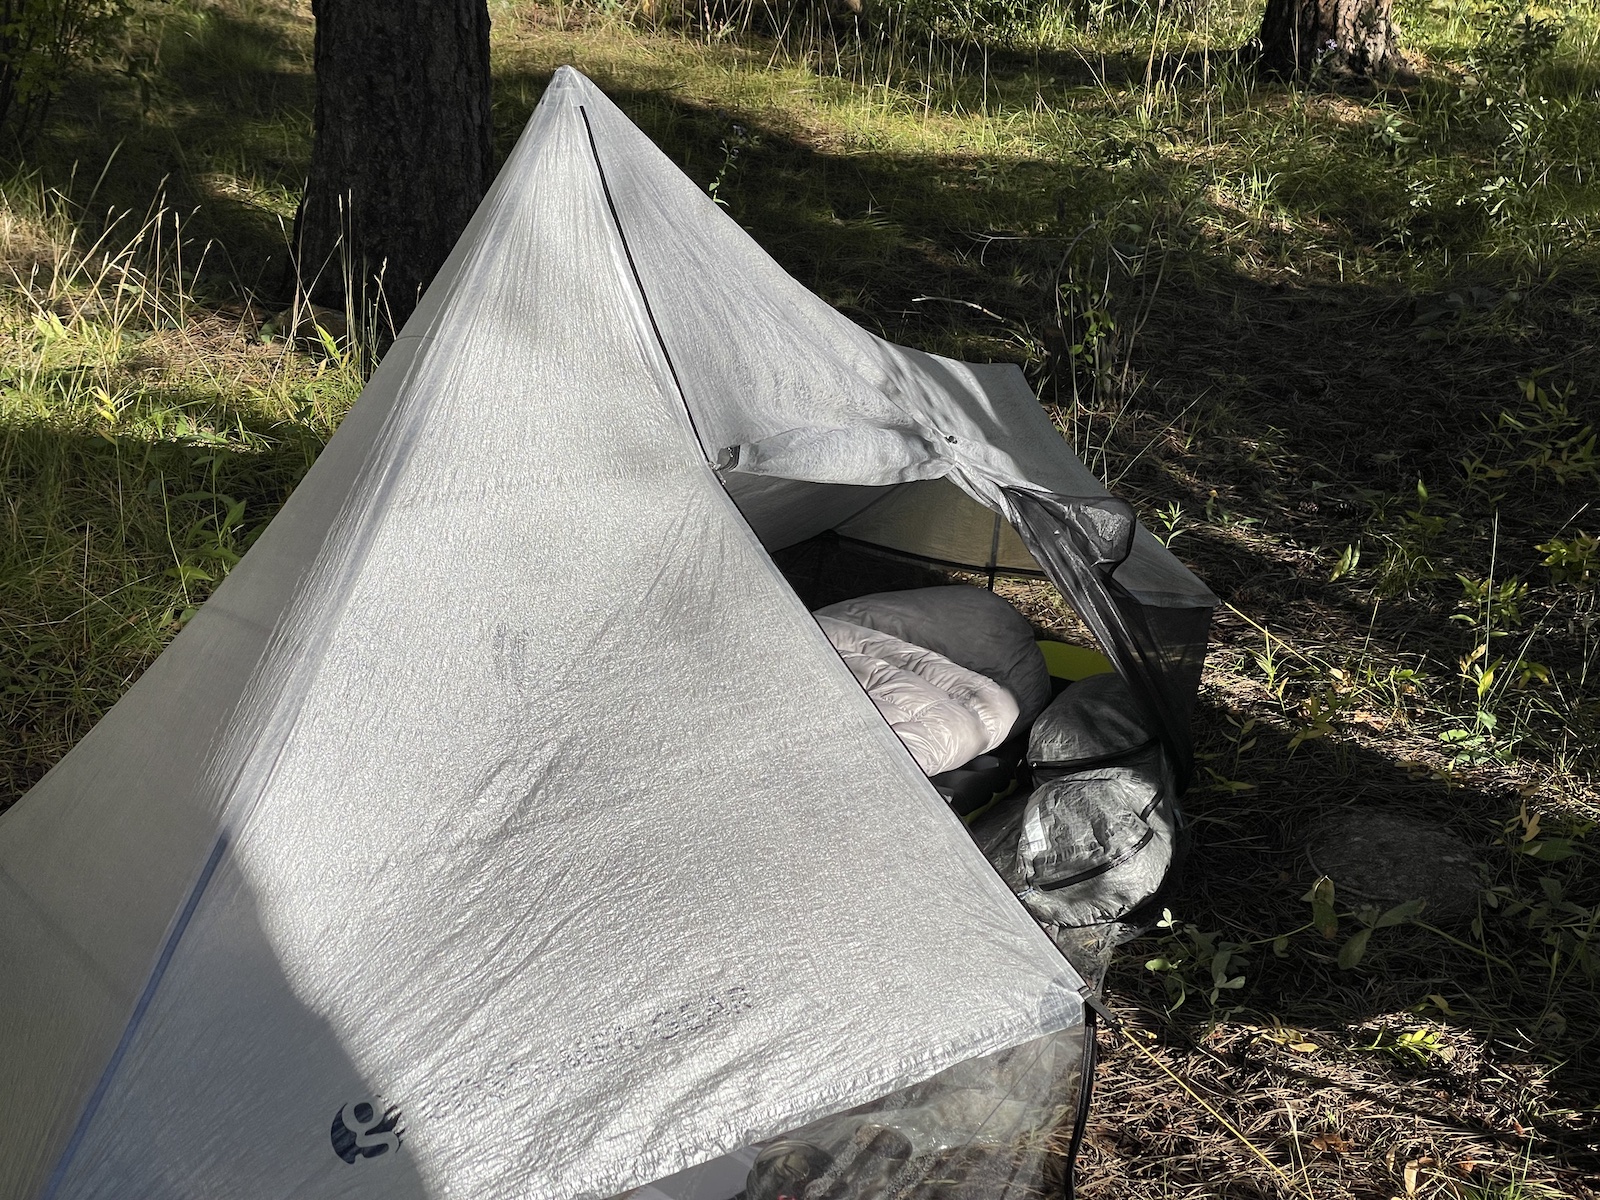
(366, 1129)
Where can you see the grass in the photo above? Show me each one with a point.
(1339, 346)
(144, 440)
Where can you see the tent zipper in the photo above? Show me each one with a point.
(1099, 869)
(1093, 1007)
(638, 282)
(1085, 764)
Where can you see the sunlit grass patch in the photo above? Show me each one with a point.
(146, 436)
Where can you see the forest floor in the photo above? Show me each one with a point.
(1339, 345)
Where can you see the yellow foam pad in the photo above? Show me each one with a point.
(1068, 661)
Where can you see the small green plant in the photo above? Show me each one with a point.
(1370, 918)
(1513, 43)
(1552, 438)
(738, 140)
(1090, 330)
(1411, 547)
(210, 547)
(1194, 961)
(1172, 521)
(1497, 608)
(1566, 929)
(1414, 1047)
(1389, 131)
(1326, 919)
(1225, 518)
(1470, 740)
(1317, 717)
(1526, 834)
(1573, 561)
(1349, 560)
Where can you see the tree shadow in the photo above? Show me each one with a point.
(1430, 1046)
(168, 1049)
(100, 527)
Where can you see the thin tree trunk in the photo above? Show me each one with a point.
(1344, 37)
(401, 152)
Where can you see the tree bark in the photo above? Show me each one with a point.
(1343, 37)
(401, 150)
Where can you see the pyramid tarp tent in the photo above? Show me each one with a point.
(506, 783)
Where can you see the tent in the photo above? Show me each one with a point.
(504, 826)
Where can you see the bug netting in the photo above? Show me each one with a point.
(999, 1127)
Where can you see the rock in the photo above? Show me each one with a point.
(1387, 858)
(301, 321)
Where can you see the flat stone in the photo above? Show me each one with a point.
(1387, 858)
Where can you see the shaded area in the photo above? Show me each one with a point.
(1405, 1053)
(111, 545)
(1423, 1052)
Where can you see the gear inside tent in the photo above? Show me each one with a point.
(505, 825)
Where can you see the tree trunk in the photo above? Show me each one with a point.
(401, 150)
(1343, 37)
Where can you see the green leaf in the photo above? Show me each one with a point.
(1220, 783)
(1352, 951)
(1320, 898)
(328, 344)
(1399, 914)
(1550, 849)
(49, 326)
(1219, 966)
(1348, 561)
(188, 573)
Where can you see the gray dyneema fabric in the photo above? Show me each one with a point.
(1095, 721)
(1087, 848)
(1159, 649)
(504, 826)
(885, 444)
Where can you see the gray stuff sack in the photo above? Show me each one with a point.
(1095, 721)
(1094, 846)
(1095, 839)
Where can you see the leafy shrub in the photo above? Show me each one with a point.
(1514, 43)
(40, 40)
(1574, 560)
